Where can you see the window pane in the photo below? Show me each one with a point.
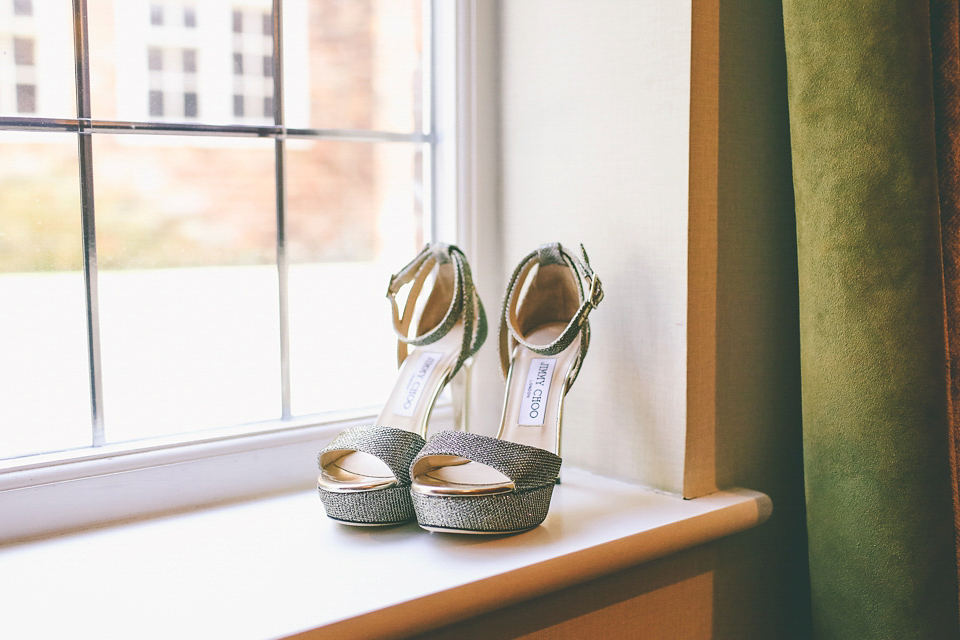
(156, 103)
(36, 60)
(186, 234)
(189, 61)
(354, 217)
(155, 59)
(354, 65)
(26, 99)
(44, 383)
(23, 52)
(22, 7)
(195, 48)
(190, 105)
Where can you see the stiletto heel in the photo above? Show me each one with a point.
(364, 473)
(469, 483)
(460, 392)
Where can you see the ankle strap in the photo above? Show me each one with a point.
(465, 305)
(590, 297)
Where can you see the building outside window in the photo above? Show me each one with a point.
(252, 64)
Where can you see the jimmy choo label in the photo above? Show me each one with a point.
(413, 389)
(535, 391)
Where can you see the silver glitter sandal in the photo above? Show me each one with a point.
(469, 483)
(364, 473)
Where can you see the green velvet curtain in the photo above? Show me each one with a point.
(873, 99)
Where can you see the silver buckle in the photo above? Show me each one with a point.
(596, 291)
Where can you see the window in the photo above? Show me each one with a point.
(154, 59)
(190, 104)
(189, 61)
(26, 98)
(194, 296)
(156, 103)
(26, 91)
(23, 52)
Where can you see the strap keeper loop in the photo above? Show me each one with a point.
(390, 292)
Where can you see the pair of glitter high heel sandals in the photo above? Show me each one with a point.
(458, 481)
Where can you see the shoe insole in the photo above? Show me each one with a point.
(419, 382)
(531, 413)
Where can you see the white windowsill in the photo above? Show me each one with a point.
(277, 566)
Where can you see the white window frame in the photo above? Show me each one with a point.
(58, 492)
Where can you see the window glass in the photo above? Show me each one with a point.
(189, 318)
(353, 217)
(356, 65)
(184, 256)
(44, 384)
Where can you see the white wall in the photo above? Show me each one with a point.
(595, 117)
